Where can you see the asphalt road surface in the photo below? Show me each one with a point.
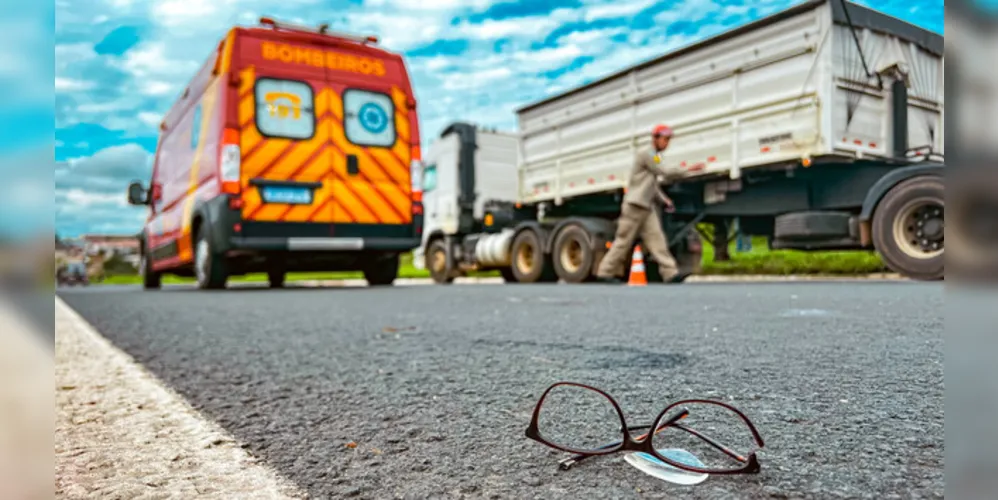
(436, 384)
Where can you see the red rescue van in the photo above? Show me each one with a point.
(292, 149)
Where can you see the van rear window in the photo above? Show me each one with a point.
(369, 118)
(285, 108)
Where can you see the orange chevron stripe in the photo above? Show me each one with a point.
(365, 206)
(313, 168)
(249, 140)
(247, 78)
(401, 114)
(296, 155)
(391, 189)
(389, 196)
(247, 111)
(392, 166)
(301, 155)
(255, 163)
(319, 213)
(403, 151)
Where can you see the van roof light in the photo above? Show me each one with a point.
(322, 29)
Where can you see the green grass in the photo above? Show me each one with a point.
(759, 260)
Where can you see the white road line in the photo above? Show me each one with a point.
(122, 433)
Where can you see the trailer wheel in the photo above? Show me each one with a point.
(573, 255)
(908, 228)
(438, 262)
(530, 264)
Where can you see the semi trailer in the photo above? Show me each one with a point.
(819, 127)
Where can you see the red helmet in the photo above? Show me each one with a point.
(661, 130)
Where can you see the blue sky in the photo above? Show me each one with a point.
(119, 64)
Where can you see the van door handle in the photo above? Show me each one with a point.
(352, 167)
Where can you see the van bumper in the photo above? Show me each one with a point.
(346, 244)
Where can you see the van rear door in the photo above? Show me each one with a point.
(371, 154)
(284, 123)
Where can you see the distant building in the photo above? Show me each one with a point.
(110, 245)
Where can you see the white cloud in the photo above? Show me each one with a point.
(484, 83)
(79, 199)
(618, 8)
(151, 119)
(599, 36)
(71, 85)
(158, 88)
(434, 5)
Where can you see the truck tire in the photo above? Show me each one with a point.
(812, 226)
(438, 262)
(529, 263)
(908, 228)
(381, 270)
(151, 280)
(572, 255)
(210, 267)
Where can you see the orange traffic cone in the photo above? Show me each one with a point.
(638, 276)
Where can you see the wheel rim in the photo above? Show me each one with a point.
(438, 261)
(571, 256)
(919, 228)
(525, 258)
(201, 259)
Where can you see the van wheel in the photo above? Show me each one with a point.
(382, 271)
(908, 228)
(275, 279)
(530, 264)
(438, 262)
(209, 266)
(573, 255)
(151, 280)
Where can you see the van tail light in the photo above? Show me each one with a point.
(230, 161)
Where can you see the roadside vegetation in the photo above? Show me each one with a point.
(758, 260)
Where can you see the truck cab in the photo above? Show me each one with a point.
(469, 172)
(292, 149)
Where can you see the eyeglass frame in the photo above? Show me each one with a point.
(643, 444)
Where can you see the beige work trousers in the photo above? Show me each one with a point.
(637, 221)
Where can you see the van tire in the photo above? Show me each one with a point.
(151, 280)
(382, 271)
(275, 279)
(210, 268)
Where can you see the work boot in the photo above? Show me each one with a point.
(677, 278)
(608, 280)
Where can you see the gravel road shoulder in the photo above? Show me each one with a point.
(121, 434)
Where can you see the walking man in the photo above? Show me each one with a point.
(639, 216)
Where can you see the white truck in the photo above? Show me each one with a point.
(820, 127)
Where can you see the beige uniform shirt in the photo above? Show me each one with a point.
(642, 187)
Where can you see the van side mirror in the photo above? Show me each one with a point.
(137, 194)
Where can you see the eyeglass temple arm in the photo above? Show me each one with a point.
(572, 460)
